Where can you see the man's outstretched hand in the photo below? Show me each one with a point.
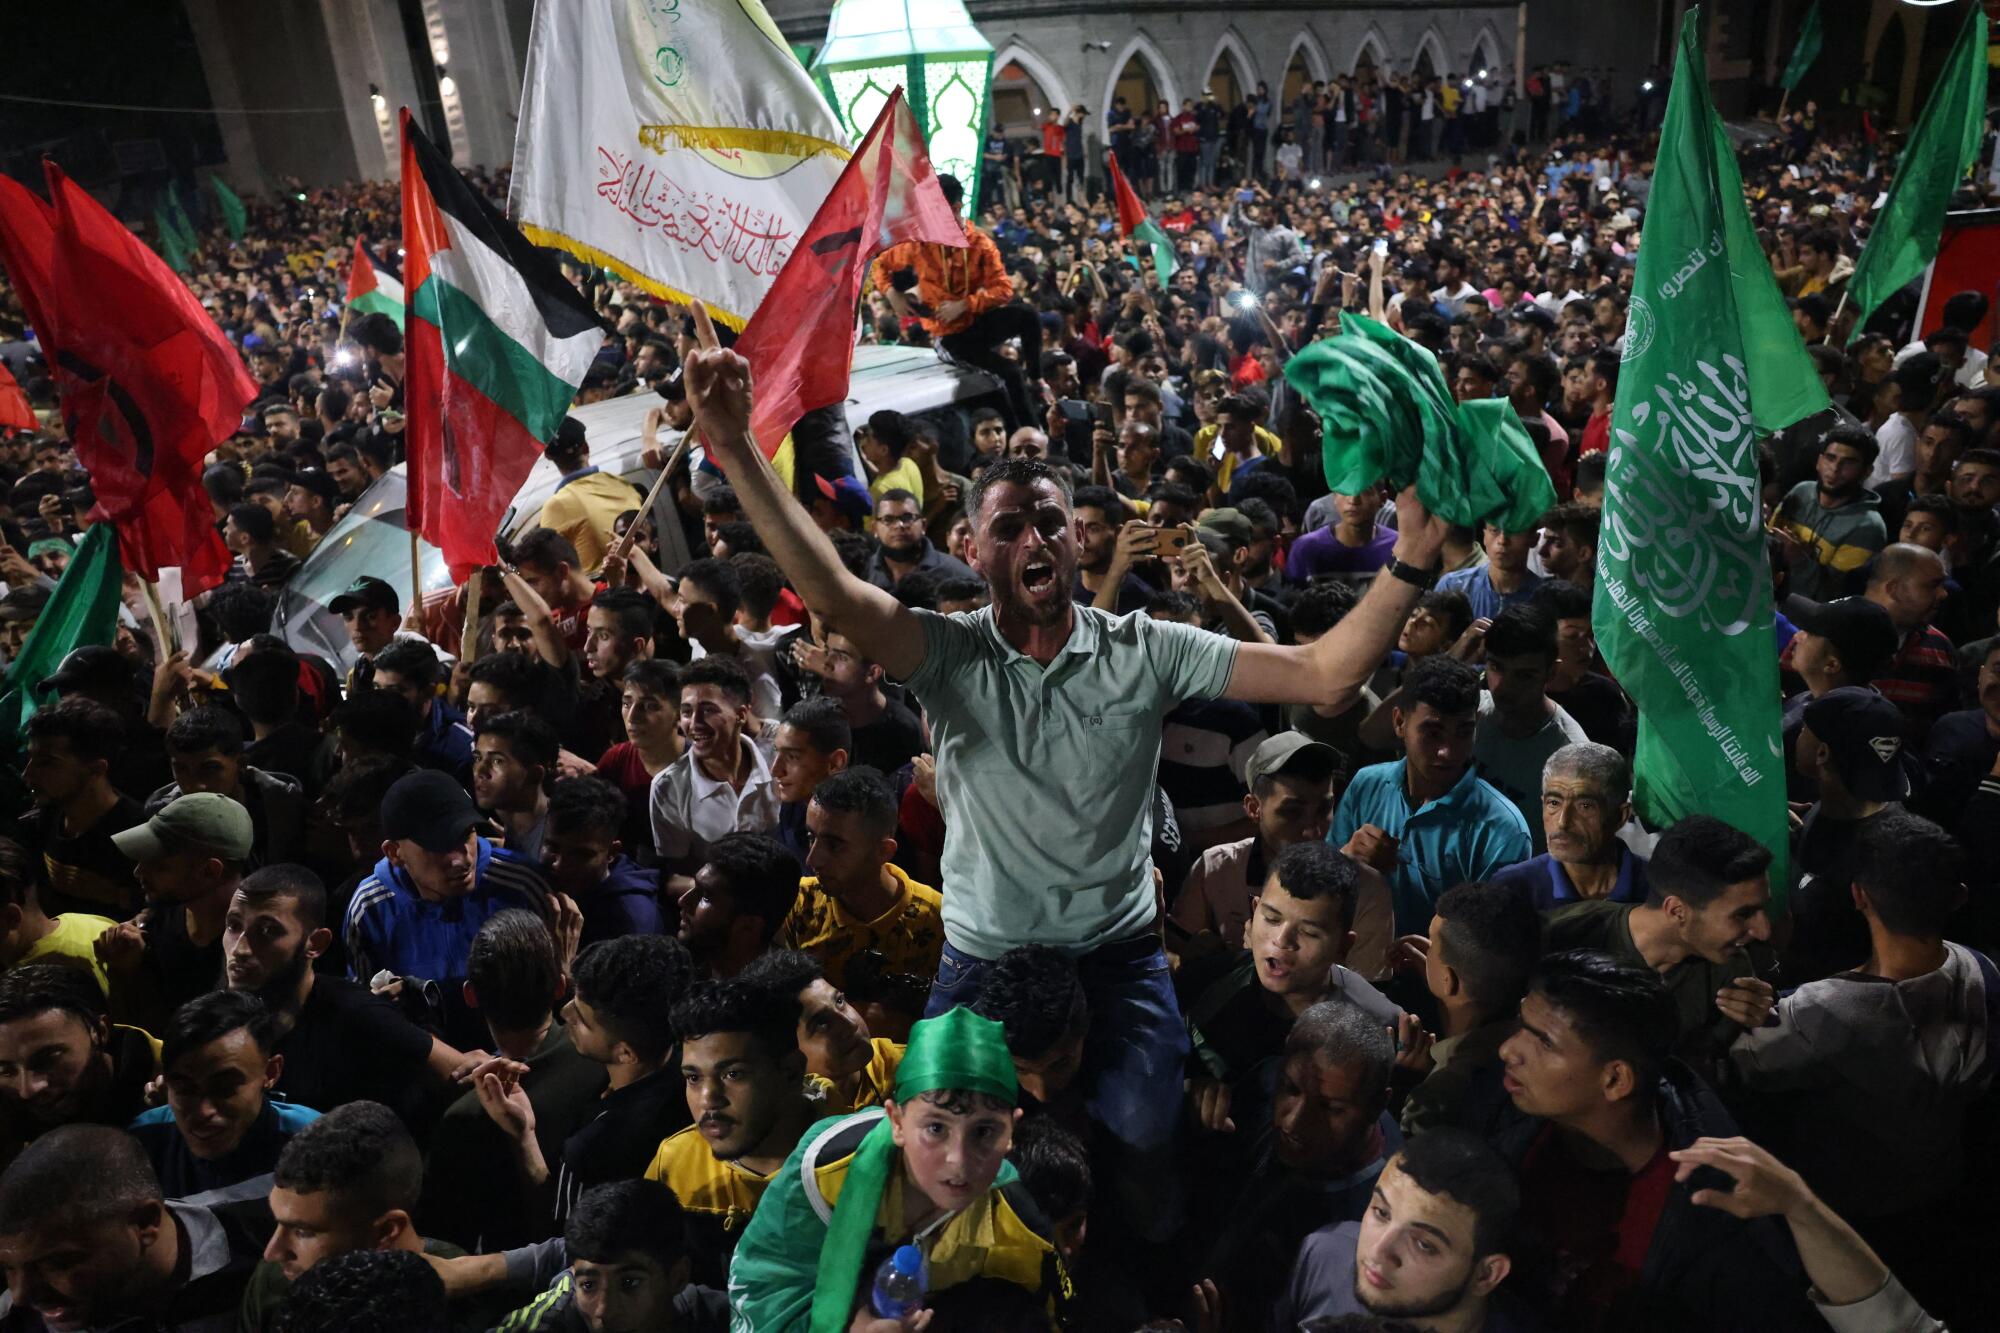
(718, 388)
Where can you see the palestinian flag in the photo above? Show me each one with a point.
(372, 290)
(1133, 222)
(496, 341)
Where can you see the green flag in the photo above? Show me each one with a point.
(170, 246)
(233, 216)
(1387, 416)
(1683, 604)
(1803, 54)
(1946, 139)
(83, 610)
(179, 216)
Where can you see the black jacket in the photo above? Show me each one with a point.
(1705, 1269)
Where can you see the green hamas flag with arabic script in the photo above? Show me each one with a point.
(1683, 606)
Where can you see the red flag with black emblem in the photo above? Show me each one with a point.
(800, 341)
(149, 384)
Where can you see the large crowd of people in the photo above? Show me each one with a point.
(1060, 835)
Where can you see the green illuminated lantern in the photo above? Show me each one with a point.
(931, 49)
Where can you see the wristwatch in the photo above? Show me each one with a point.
(1423, 580)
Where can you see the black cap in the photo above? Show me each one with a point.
(671, 387)
(26, 602)
(569, 438)
(1864, 734)
(94, 666)
(1860, 631)
(318, 481)
(366, 591)
(430, 809)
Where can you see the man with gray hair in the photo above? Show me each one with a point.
(1586, 799)
(1316, 1163)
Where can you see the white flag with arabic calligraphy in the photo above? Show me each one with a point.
(678, 143)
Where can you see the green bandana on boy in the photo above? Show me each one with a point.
(957, 1051)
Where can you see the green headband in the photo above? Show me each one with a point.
(957, 1051)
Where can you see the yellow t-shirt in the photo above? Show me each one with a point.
(877, 1078)
(72, 942)
(718, 1198)
(1225, 467)
(902, 477)
(909, 936)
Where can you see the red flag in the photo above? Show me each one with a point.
(27, 246)
(1131, 213)
(799, 343)
(15, 410)
(149, 385)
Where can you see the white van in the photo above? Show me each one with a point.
(373, 540)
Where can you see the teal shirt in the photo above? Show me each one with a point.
(1045, 775)
(1468, 833)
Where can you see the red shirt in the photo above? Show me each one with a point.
(789, 610)
(1052, 139)
(622, 766)
(1596, 434)
(1599, 1225)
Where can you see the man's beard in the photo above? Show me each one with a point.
(905, 555)
(1444, 1304)
(280, 992)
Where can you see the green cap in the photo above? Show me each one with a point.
(200, 818)
(957, 1050)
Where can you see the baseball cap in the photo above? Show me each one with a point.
(93, 665)
(25, 602)
(1860, 631)
(846, 492)
(200, 818)
(1279, 752)
(366, 591)
(318, 482)
(1864, 733)
(671, 387)
(568, 437)
(1231, 524)
(430, 809)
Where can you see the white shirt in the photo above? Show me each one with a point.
(1454, 301)
(1554, 304)
(760, 659)
(1971, 375)
(1897, 440)
(691, 810)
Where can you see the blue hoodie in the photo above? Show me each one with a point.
(390, 927)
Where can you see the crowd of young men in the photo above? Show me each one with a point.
(1158, 888)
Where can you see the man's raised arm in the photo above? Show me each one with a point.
(718, 387)
(1329, 672)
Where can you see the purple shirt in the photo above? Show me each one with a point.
(1320, 553)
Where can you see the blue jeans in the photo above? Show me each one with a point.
(1133, 1066)
(1211, 149)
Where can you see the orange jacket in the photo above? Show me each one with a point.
(973, 275)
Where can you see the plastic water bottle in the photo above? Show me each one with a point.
(900, 1283)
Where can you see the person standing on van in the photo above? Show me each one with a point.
(966, 301)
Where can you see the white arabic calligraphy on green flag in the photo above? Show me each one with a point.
(1683, 605)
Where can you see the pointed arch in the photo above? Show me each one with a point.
(1307, 46)
(1242, 63)
(1373, 45)
(1017, 52)
(1488, 42)
(1433, 43)
(1156, 63)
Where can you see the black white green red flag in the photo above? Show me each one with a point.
(496, 341)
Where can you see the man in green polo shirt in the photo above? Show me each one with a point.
(1046, 722)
